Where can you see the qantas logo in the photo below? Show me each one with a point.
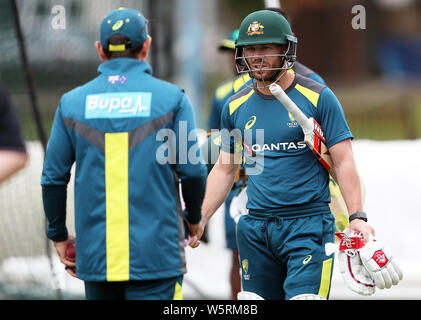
(280, 146)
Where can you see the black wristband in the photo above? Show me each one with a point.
(358, 215)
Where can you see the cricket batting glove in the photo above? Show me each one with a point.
(238, 205)
(380, 263)
(353, 272)
(364, 267)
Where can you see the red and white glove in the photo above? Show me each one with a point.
(353, 272)
(364, 267)
(380, 263)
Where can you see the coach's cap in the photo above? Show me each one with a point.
(229, 42)
(128, 22)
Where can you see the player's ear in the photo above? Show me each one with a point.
(100, 51)
(145, 48)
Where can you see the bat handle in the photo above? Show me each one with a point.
(305, 123)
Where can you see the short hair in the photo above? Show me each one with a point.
(129, 52)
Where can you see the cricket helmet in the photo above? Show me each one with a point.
(265, 27)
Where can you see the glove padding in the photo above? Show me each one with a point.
(353, 272)
(380, 263)
(355, 275)
(364, 267)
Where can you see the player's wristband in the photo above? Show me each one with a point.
(358, 215)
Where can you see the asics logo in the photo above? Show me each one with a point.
(117, 25)
(250, 123)
(307, 259)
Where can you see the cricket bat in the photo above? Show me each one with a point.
(313, 134)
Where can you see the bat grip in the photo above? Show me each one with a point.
(305, 123)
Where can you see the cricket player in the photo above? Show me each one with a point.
(220, 96)
(281, 241)
(129, 224)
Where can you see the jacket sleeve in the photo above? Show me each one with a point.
(54, 200)
(58, 161)
(190, 166)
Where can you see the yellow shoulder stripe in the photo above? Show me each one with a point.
(238, 83)
(223, 90)
(309, 94)
(238, 102)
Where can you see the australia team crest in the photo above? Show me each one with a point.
(255, 28)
